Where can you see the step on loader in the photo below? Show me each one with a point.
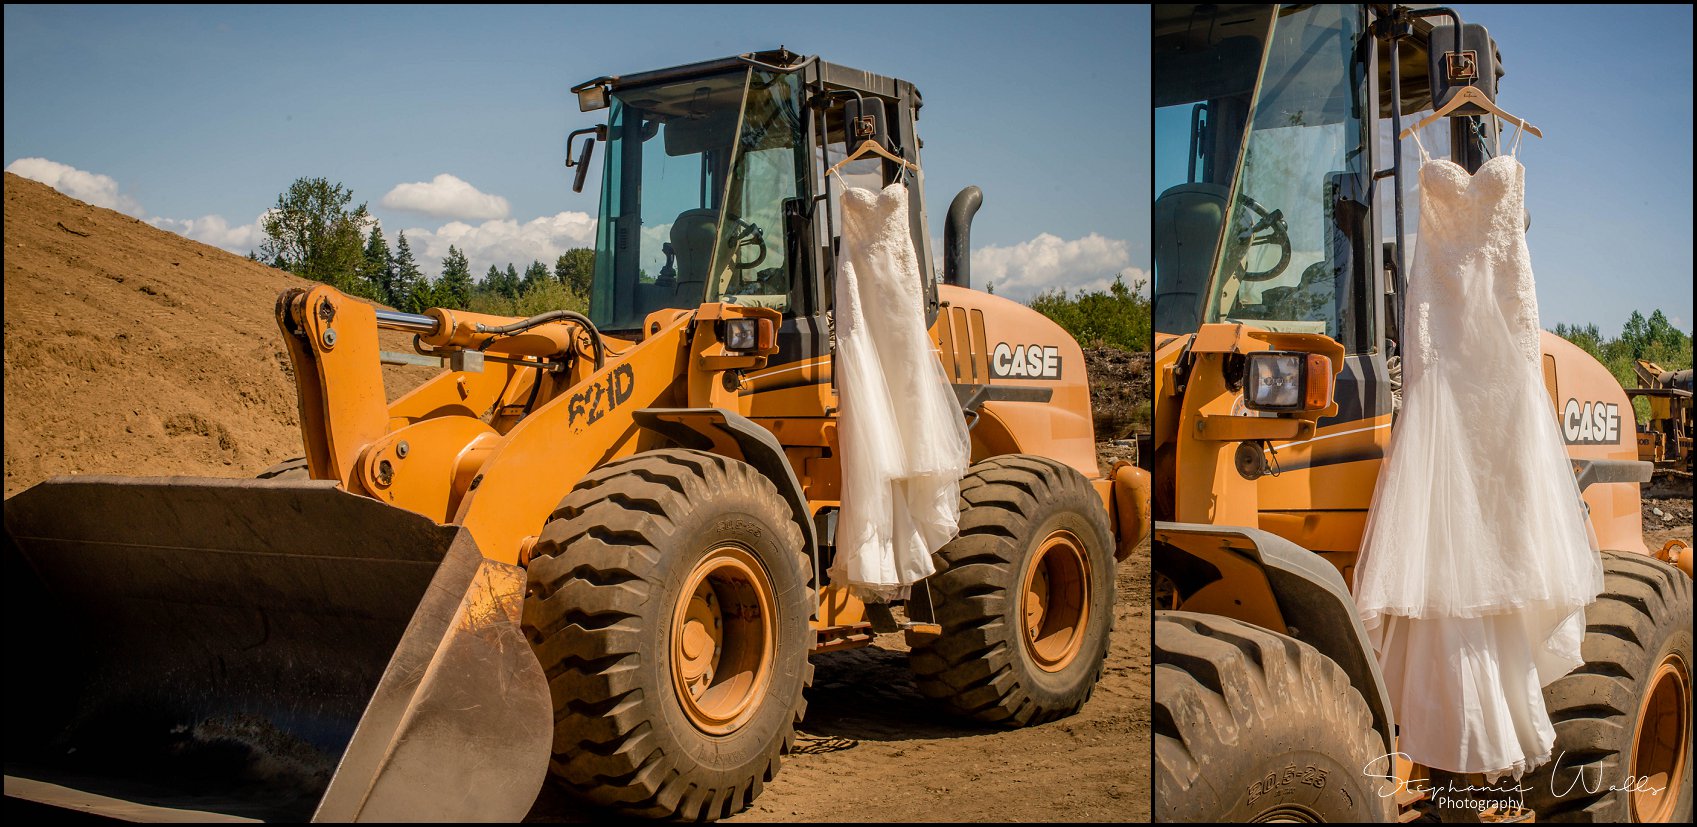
(594, 548)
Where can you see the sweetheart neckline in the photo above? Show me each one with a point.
(1470, 175)
(880, 190)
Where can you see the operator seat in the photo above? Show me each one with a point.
(1188, 218)
(693, 236)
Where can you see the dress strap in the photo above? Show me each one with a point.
(1519, 132)
(1423, 156)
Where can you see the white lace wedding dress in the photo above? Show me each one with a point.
(904, 445)
(1478, 559)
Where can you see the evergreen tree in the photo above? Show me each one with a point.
(576, 269)
(455, 288)
(407, 277)
(491, 284)
(510, 283)
(534, 275)
(379, 269)
(423, 295)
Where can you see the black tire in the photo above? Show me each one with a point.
(604, 579)
(1642, 620)
(289, 469)
(982, 665)
(1251, 725)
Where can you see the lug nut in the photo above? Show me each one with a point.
(402, 449)
(330, 338)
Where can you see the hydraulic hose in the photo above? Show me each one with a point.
(552, 316)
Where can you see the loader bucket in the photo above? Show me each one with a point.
(183, 648)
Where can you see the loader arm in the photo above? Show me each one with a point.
(493, 450)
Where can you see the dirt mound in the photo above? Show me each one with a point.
(1120, 387)
(131, 350)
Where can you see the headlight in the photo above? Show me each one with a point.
(1282, 381)
(742, 334)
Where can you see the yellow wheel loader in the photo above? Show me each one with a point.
(595, 546)
(1665, 440)
(1280, 256)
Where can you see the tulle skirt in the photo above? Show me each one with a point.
(901, 471)
(1477, 563)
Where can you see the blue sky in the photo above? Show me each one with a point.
(1609, 186)
(197, 117)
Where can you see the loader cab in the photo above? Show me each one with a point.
(713, 188)
(1278, 193)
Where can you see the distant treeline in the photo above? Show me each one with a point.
(316, 233)
(313, 233)
(1652, 339)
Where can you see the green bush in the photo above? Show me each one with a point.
(1118, 316)
(541, 296)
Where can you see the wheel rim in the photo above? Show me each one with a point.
(723, 638)
(1288, 814)
(1659, 750)
(1055, 601)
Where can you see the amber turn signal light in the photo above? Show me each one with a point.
(750, 334)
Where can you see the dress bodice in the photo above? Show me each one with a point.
(878, 216)
(1472, 279)
(1484, 211)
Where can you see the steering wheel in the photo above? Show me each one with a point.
(744, 234)
(1272, 222)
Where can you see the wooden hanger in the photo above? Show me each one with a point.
(870, 146)
(1471, 94)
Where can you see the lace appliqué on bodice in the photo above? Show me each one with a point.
(1471, 250)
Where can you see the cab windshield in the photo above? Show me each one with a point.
(1292, 254)
(696, 175)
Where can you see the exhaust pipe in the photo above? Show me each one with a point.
(957, 237)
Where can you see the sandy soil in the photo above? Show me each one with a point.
(129, 350)
(872, 749)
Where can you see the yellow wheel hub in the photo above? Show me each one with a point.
(1055, 601)
(723, 640)
(1659, 754)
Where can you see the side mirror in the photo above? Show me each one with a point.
(583, 165)
(582, 162)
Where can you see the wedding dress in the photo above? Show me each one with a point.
(903, 440)
(1478, 558)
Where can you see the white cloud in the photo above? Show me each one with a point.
(92, 187)
(1050, 262)
(216, 231)
(446, 197)
(501, 242)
